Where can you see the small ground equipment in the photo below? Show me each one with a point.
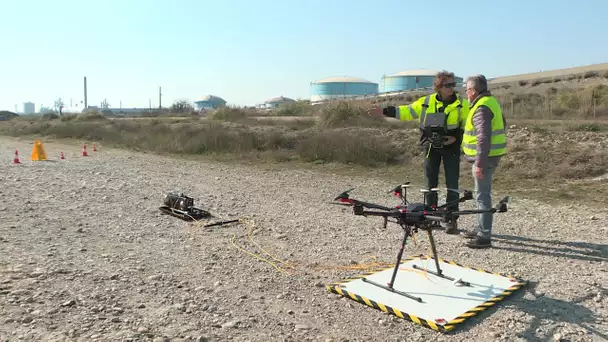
(182, 206)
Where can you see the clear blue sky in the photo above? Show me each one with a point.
(248, 51)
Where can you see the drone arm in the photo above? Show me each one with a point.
(364, 204)
(501, 207)
(375, 206)
(360, 211)
(468, 195)
(473, 211)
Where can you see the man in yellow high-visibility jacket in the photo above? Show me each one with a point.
(441, 118)
(483, 144)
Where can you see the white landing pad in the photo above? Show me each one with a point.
(444, 304)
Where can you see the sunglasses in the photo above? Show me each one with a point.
(449, 85)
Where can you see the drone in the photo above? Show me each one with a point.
(414, 217)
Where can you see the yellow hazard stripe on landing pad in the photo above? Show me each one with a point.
(382, 307)
(336, 287)
(489, 303)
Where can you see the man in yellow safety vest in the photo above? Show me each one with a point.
(484, 143)
(441, 118)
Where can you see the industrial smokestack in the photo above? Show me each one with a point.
(85, 93)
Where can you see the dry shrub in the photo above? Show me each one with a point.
(228, 114)
(539, 153)
(348, 146)
(298, 108)
(345, 113)
(90, 116)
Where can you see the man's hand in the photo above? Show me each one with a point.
(375, 111)
(478, 172)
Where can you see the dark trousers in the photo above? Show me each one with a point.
(451, 168)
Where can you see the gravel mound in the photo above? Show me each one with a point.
(87, 255)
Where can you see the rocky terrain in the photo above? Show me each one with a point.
(86, 255)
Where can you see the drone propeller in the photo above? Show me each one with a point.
(459, 191)
(342, 203)
(399, 187)
(344, 194)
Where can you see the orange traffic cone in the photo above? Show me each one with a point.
(94, 148)
(61, 156)
(16, 160)
(84, 150)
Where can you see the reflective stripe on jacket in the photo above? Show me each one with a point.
(428, 110)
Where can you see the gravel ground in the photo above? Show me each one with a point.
(87, 255)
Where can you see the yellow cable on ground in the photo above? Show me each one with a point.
(257, 256)
(251, 227)
(249, 232)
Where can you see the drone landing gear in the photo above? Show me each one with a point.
(390, 286)
(439, 271)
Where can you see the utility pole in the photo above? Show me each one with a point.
(160, 95)
(85, 93)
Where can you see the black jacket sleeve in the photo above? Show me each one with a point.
(389, 111)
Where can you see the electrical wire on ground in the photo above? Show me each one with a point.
(290, 268)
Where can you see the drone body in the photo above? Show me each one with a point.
(413, 217)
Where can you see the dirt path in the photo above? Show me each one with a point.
(87, 255)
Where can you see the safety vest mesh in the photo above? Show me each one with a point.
(499, 138)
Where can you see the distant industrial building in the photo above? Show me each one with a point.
(341, 87)
(209, 102)
(29, 108)
(276, 102)
(411, 80)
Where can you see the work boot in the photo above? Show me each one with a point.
(480, 242)
(471, 234)
(451, 227)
